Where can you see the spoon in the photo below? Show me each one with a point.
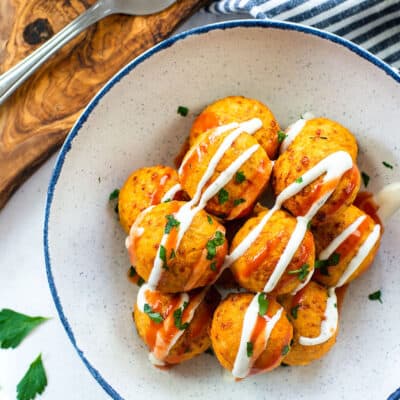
(15, 76)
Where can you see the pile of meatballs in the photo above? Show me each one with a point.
(180, 312)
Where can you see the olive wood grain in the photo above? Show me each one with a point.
(36, 119)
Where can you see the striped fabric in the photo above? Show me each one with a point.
(373, 24)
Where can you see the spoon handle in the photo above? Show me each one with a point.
(15, 76)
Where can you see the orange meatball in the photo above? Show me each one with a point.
(235, 198)
(319, 138)
(197, 260)
(226, 331)
(306, 311)
(254, 268)
(194, 339)
(239, 109)
(143, 188)
(330, 270)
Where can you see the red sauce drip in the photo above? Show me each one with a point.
(205, 121)
(365, 202)
(157, 195)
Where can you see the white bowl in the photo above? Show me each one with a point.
(132, 122)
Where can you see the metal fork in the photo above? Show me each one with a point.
(15, 76)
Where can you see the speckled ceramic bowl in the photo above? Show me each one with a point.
(132, 122)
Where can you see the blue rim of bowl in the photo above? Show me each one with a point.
(247, 23)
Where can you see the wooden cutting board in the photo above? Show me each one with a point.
(36, 119)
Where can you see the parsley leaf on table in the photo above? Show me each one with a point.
(14, 327)
(33, 382)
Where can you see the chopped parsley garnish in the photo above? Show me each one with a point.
(323, 137)
(323, 265)
(163, 256)
(281, 136)
(171, 223)
(212, 244)
(223, 196)
(140, 281)
(166, 200)
(376, 296)
(249, 349)
(178, 319)
(236, 202)
(299, 180)
(213, 266)
(182, 110)
(114, 194)
(302, 272)
(240, 177)
(294, 310)
(33, 382)
(309, 225)
(387, 165)
(209, 219)
(262, 304)
(154, 316)
(172, 255)
(365, 177)
(132, 271)
(285, 350)
(14, 327)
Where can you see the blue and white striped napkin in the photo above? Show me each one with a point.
(372, 24)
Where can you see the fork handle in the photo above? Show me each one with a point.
(15, 76)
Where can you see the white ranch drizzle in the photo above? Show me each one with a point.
(362, 252)
(334, 165)
(243, 363)
(328, 325)
(294, 129)
(332, 246)
(171, 193)
(187, 212)
(388, 200)
(184, 297)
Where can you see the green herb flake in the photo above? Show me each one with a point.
(387, 165)
(323, 265)
(223, 196)
(140, 281)
(183, 111)
(166, 200)
(209, 219)
(309, 225)
(163, 256)
(178, 320)
(212, 244)
(154, 316)
(33, 382)
(294, 310)
(285, 350)
(172, 255)
(114, 195)
(365, 177)
(376, 296)
(302, 272)
(281, 136)
(236, 202)
(14, 327)
(132, 271)
(171, 223)
(249, 349)
(240, 177)
(213, 266)
(299, 180)
(262, 304)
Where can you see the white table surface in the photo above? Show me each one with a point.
(24, 288)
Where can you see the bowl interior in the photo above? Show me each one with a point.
(135, 124)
